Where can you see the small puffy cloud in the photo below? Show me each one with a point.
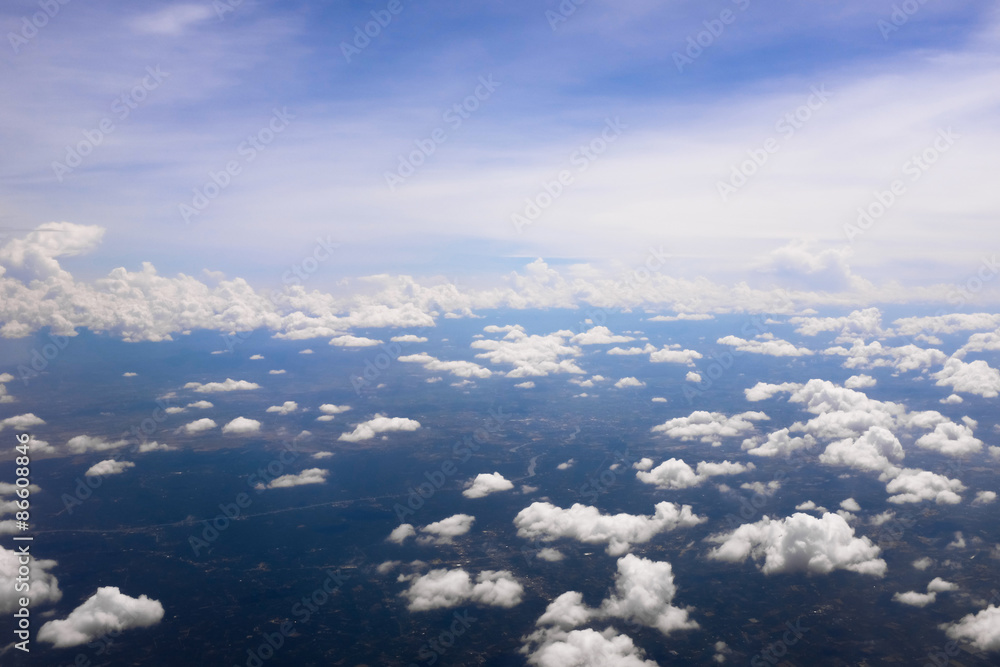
(401, 533)
(765, 390)
(277, 371)
(354, 341)
(408, 338)
(671, 355)
(462, 369)
(107, 610)
(486, 483)
(923, 563)
(547, 522)
(644, 463)
(800, 543)
(129, 374)
(21, 422)
(599, 336)
(939, 585)
(201, 405)
(549, 554)
(984, 497)
(951, 439)
(658, 399)
(877, 450)
(306, 351)
(445, 530)
(531, 356)
(308, 476)
(860, 382)
(709, 427)
(957, 543)
(84, 443)
(322, 455)
(644, 593)
(256, 357)
(108, 467)
(770, 347)
(676, 474)
(330, 411)
(692, 376)
(629, 382)
(629, 351)
(228, 385)
(443, 589)
(806, 506)
(286, 408)
(525, 385)
(566, 465)
(913, 485)
(242, 426)
(851, 505)
(44, 586)
(981, 629)
(952, 399)
(914, 599)
(976, 377)
(379, 424)
(778, 443)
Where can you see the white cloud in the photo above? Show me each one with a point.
(629, 382)
(108, 467)
(81, 444)
(552, 647)
(709, 427)
(658, 399)
(354, 341)
(976, 377)
(644, 593)
(915, 599)
(984, 497)
(912, 486)
(952, 399)
(566, 465)
(860, 382)
(201, 405)
(859, 323)
(286, 408)
(329, 409)
(692, 376)
(939, 585)
(681, 317)
(525, 385)
(462, 369)
(676, 474)
(21, 422)
(256, 357)
(764, 390)
(773, 348)
(599, 336)
(228, 385)
(851, 505)
(379, 424)
(485, 483)
(547, 522)
(408, 338)
(877, 450)
(277, 371)
(923, 563)
(445, 530)
(800, 543)
(308, 476)
(44, 585)
(401, 533)
(981, 629)
(952, 439)
(675, 356)
(107, 610)
(630, 351)
(531, 356)
(242, 426)
(778, 443)
(442, 589)
(549, 554)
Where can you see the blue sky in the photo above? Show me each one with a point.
(556, 87)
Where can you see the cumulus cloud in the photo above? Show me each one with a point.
(44, 585)
(242, 426)
(676, 474)
(629, 382)
(800, 543)
(975, 377)
(765, 390)
(644, 593)
(228, 385)
(547, 522)
(860, 382)
(679, 317)
(984, 497)
(525, 385)
(599, 336)
(442, 589)
(486, 483)
(875, 355)
(531, 356)
(674, 355)
(201, 405)
(952, 439)
(770, 347)
(379, 424)
(981, 629)
(308, 476)
(105, 611)
(778, 443)
(286, 408)
(21, 422)
(446, 530)
(709, 427)
(462, 369)
(401, 533)
(408, 338)
(915, 599)
(82, 444)
(354, 341)
(877, 450)
(913, 485)
(108, 467)
(692, 376)
(851, 505)
(866, 323)
(553, 647)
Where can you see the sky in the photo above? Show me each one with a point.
(556, 76)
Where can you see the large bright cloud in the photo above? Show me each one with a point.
(709, 427)
(44, 585)
(800, 543)
(486, 483)
(547, 522)
(105, 611)
(676, 474)
(974, 377)
(981, 629)
(379, 424)
(441, 589)
(531, 356)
